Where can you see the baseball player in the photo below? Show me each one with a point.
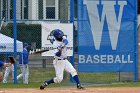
(2, 64)
(60, 61)
(8, 69)
(23, 63)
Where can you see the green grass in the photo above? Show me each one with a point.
(39, 75)
(128, 84)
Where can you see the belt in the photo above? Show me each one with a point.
(62, 59)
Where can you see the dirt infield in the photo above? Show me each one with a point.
(73, 90)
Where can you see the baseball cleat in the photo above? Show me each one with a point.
(79, 86)
(42, 86)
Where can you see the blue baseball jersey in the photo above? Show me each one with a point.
(1, 63)
(23, 58)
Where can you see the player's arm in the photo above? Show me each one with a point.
(2, 64)
(57, 51)
(65, 41)
(59, 48)
(7, 65)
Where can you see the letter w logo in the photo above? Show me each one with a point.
(113, 20)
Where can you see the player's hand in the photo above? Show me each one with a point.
(7, 65)
(61, 47)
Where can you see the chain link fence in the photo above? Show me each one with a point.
(30, 14)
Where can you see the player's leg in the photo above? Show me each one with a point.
(70, 69)
(26, 74)
(21, 69)
(59, 69)
(23, 72)
(19, 76)
(12, 69)
(6, 74)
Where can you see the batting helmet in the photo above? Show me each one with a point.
(58, 34)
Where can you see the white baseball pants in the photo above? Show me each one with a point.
(61, 66)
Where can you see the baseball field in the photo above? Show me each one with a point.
(90, 81)
(33, 88)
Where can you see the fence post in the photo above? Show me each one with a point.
(15, 38)
(72, 21)
(136, 46)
